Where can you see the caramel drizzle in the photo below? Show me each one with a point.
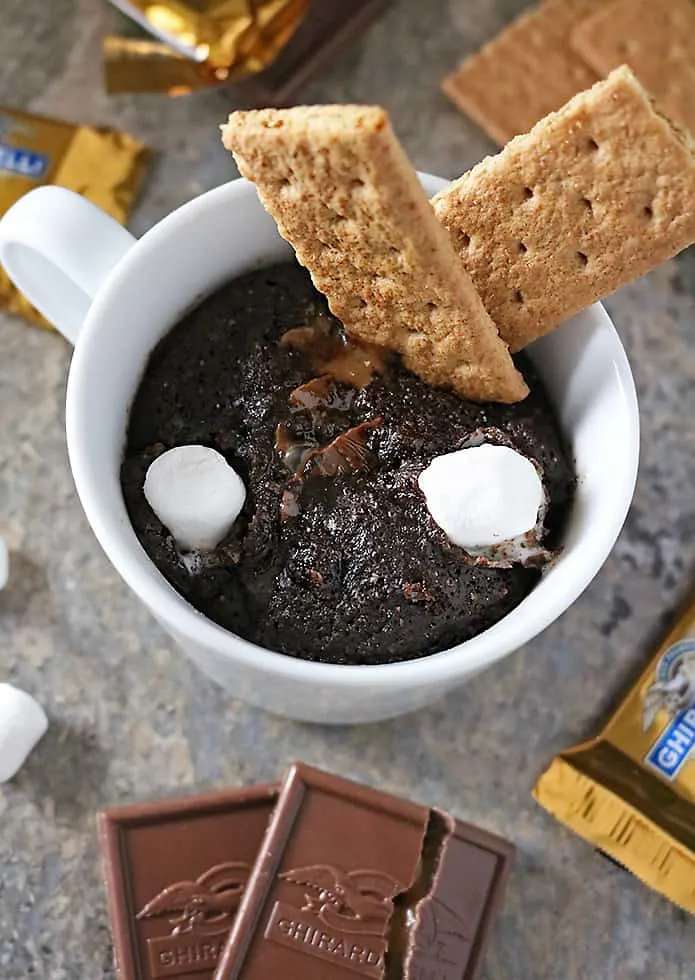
(331, 353)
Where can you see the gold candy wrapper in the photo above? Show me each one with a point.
(199, 43)
(105, 166)
(141, 65)
(631, 790)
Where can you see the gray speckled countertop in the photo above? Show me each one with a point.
(131, 719)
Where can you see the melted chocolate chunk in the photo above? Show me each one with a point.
(347, 453)
(335, 556)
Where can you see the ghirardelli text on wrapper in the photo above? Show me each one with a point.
(105, 166)
(631, 790)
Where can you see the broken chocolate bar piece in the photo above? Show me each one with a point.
(353, 882)
(175, 872)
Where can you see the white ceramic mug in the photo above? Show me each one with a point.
(114, 297)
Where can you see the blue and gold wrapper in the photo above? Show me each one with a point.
(103, 165)
(631, 790)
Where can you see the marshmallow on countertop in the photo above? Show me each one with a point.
(483, 496)
(22, 723)
(4, 564)
(196, 494)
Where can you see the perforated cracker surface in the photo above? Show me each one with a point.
(593, 197)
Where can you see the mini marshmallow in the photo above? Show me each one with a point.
(22, 723)
(4, 564)
(196, 494)
(483, 496)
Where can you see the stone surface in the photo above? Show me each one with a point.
(130, 719)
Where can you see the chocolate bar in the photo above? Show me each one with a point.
(175, 873)
(353, 882)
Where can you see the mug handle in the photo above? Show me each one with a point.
(58, 248)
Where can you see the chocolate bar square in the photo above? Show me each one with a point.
(175, 873)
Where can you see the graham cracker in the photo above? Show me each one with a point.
(656, 38)
(570, 12)
(343, 193)
(593, 197)
(525, 72)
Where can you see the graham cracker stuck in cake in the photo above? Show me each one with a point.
(343, 193)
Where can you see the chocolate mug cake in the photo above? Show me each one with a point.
(335, 555)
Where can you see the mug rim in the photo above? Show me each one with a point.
(173, 611)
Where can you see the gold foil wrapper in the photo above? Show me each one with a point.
(631, 790)
(198, 43)
(103, 165)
